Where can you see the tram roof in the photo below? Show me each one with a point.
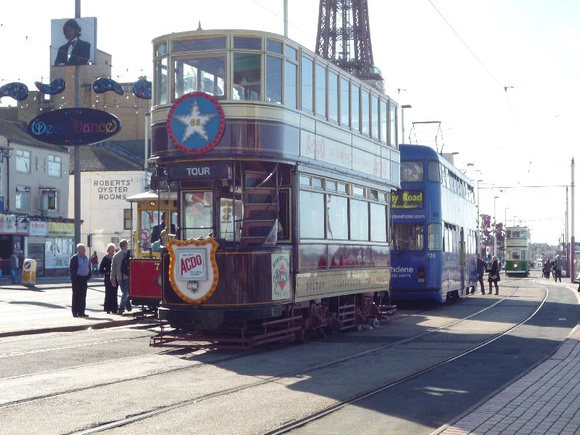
(143, 196)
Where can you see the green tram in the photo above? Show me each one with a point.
(517, 251)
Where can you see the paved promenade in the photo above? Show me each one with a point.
(544, 401)
(46, 307)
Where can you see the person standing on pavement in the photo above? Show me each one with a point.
(95, 262)
(80, 273)
(110, 304)
(481, 269)
(494, 275)
(15, 267)
(121, 279)
(558, 264)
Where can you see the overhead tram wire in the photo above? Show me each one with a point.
(465, 44)
(539, 186)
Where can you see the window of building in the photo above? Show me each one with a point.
(52, 200)
(22, 197)
(54, 166)
(22, 161)
(127, 219)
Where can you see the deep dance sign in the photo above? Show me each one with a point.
(74, 126)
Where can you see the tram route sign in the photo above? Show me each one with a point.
(407, 199)
(196, 122)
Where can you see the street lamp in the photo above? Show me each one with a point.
(505, 216)
(403, 107)
(494, 227)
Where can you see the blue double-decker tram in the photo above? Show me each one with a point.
(283, 167)
(434, 229)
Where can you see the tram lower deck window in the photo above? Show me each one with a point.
(408, 237)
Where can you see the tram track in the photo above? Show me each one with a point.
(303, 371)
(371, 392)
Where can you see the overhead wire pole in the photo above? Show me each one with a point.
(77, 149)
(572, 241)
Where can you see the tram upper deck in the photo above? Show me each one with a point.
(280, 101)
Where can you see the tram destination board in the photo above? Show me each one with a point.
(407, 199)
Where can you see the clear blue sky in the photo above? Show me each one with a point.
(450, 59)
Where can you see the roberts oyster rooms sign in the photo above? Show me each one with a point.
(74, 126)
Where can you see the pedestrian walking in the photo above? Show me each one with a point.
(558, 264)
(493, 277)
(481, 269)
(110, 305)
(80, 273)
(95, 262)
(120, 275)
(547, 268)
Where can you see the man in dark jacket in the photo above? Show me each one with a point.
(80, 273)
(481, 269)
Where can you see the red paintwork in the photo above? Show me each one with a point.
(144, 281)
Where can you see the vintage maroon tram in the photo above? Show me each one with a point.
(282, 166)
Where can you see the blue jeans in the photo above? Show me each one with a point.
(125, 303)
(15, 275)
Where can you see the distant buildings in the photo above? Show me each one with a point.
(36, 179)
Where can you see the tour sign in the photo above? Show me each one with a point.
(74, 126)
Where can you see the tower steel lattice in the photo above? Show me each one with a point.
(344, 37)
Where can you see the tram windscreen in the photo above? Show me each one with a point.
(412, 171)
(197, 214)
(408, 237)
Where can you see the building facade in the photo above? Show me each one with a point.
(34, 184)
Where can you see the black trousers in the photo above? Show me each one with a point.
(480, 279)
(79, 295)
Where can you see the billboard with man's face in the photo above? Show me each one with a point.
(73, 41)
